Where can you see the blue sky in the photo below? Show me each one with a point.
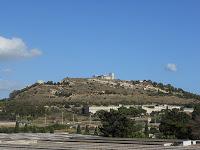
(53, 39)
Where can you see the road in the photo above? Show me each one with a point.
(45, 141)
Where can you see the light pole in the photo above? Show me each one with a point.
(90, 119)
(62, 118)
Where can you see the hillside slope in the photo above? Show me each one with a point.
(95, 91)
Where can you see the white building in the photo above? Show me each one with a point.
(188, 110)
(110, 76)
(151, 108)
(94, 109)
(40, 81)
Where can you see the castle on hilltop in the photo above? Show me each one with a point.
(110, 76)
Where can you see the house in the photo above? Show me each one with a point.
(110, 76)
(94, 109)
(40, 82)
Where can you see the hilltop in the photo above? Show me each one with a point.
(97, 91)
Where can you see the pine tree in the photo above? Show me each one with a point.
(87, 130)
(26, 128)
(51, 129)
(34, 129)
(17, 127)
(78, 130)
(146, 130)
(96, 131)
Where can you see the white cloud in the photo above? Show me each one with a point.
(6, 71)
(15, 48)
(171, 67)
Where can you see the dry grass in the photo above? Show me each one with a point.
(94, 92)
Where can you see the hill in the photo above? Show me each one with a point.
(95, 91)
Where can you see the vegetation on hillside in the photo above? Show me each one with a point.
(105, 92)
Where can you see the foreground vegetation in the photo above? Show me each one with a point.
(32, 129)
(116, 124)
(174, 124)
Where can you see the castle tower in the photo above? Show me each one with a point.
(112, 76)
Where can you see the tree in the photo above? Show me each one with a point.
(49, 82)
(146, 130)
(34, 129)
(195, 128)
(132, 111)
(78, 129)
(175, 123)
(26, 128)
(196, 112)
(87, 131)
(17, 127)
(160, 85)
(153, 130)
(43, 130)
(115, 124)
(96, 132)
(51, 129)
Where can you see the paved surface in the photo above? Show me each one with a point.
(77, 142)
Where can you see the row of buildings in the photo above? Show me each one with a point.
(149, 108)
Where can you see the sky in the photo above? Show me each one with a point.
(135, 39)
